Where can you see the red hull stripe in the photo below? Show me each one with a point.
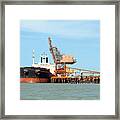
(34, 80)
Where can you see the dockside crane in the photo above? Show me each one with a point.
(59, 59)
(63, 73)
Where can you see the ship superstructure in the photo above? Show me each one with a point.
(43, 62)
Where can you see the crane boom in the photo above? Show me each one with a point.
(51, 49)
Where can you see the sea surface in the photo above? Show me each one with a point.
(59, 91)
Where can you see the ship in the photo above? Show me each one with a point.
(40, 72)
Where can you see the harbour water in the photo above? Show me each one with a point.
(59, 91)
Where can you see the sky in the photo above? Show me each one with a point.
(79, 38)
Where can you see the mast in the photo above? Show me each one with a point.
(33, 57)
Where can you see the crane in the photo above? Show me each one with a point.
(64, 73)
(59, 59)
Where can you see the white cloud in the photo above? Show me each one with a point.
(63, 28)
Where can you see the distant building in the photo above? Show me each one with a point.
(43, 62)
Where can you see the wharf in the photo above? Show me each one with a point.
(86, 79)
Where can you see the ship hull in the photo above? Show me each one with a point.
(34, 75)
(34, 80)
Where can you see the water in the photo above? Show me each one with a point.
(58, 91)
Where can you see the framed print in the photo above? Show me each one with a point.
(59, 59)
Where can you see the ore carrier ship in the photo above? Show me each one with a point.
(38, 73)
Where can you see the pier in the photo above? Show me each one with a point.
(76, 80)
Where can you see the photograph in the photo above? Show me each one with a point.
(59, 59)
